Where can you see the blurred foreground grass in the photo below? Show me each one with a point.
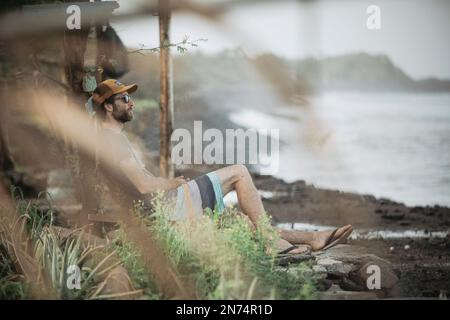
(224, 257)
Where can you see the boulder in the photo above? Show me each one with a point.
(355, 269)
(388, 279)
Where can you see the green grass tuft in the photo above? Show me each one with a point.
(223, 255)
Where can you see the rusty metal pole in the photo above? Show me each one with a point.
(166, 91)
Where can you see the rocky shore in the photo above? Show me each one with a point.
(415, 254)
(410, 244)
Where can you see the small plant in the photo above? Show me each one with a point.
(130, 259)
(36, 218)
(11, 286)
(226, 258)
(57, 255)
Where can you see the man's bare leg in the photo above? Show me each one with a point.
(237, 177)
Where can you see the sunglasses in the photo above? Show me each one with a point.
(126, 98)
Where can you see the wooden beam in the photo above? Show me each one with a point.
(44, 19)
(166, 91)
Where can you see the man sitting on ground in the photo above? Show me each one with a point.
(113, 104)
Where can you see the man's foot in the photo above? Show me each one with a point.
(327, 239)
(284, 247)
(295, 250)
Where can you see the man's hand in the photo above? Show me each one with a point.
(180, 180)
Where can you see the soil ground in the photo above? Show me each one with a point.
(423, 265)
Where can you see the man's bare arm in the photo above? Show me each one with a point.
(144, 181)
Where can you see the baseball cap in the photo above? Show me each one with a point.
(111, 87)
(105, 90)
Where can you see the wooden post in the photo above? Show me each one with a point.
(74, 46)
(166, 91)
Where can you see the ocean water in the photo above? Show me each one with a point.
(392, 145)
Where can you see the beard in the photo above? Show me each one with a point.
(122, 115)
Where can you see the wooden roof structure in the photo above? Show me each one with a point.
(20, 24)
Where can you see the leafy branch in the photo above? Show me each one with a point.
(182, 46)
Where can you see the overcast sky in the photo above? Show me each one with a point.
(414, 33)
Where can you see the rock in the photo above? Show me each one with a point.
(393, 215)
(285, 260)
(388, 279)
(349, 285)
(320, 277)
(334, 267)
(319, 269)
(320, 274)
(323, 284)
(351, 263)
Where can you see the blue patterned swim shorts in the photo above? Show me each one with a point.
(197, 195)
